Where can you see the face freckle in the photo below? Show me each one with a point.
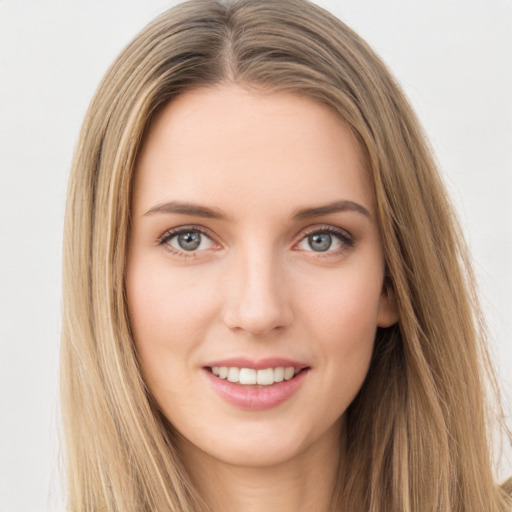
(254, 245)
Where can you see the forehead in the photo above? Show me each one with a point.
(234, 145)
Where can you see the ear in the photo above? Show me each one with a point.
(387, 314)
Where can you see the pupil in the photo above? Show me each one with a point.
(189, 241)
(320, 242)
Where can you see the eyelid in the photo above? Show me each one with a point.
(323, 228)
(171, 233)
(346, 238)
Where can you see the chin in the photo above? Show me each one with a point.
(264, 444)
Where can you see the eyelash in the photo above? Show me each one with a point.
(169, 235)
(347, 241)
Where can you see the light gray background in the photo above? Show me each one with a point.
(453, 57)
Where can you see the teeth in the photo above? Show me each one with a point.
(247, 376)
(234, 374)
(265, 377)
(250, 376)
(289, 373)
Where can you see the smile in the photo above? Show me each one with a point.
(251, 376)
(256, 386)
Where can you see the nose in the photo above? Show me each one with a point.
(258, 300)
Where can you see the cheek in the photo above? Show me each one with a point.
(170, 311)
(342, 317)
(164, 301)
(344, 302)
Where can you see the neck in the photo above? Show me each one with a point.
(304, 483)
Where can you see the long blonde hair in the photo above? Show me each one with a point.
(417, 433)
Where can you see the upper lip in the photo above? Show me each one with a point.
(257, 364)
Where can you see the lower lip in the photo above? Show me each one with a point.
(254, 398)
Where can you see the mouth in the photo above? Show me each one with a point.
(256, 385)
(256, 378)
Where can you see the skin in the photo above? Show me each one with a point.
(255, 287)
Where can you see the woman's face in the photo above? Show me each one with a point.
(255, 272)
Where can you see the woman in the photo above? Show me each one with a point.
(268, 304)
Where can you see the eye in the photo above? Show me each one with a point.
(326, 240)
(187, 240)
(320, 242)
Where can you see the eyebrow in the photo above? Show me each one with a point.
(196, 210)
(335, 207)
(187, 209)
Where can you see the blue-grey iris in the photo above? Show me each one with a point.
(320, 242)
(189, 241)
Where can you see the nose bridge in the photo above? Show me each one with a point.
(259, 301)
